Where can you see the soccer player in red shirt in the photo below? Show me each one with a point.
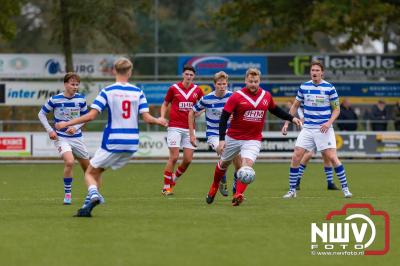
(248, 107)
(182, 96)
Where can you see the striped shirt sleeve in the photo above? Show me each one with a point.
(48, 106)
(143, 106)
(199, 105)
(333, 95)
(100, 102)
(84, 109)
(300, 95)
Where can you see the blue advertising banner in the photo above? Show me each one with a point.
(155, 92)
(343, 89)
(361, 92)
(232, 65)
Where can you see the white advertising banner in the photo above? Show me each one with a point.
(154, 145)
(53, 65)
(37, 93)
(15, 144)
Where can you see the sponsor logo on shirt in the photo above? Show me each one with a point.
(185, 105)
(216, 112)
(253, 115)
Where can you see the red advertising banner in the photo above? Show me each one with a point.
(12, 143)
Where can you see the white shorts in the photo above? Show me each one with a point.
(179, 138)
(311, 138)
(248, 149)
(75, 145)
(105, 159)
(213, 142)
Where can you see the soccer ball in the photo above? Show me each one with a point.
(246, 174)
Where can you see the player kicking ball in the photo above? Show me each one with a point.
(68, 141)
(321, 109)
(124, 102)
(213, 103)
(248, 108)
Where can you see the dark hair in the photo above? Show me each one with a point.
(317, 63)
(71, 75)
(189, 67)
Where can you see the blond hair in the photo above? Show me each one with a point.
(220, 75)
(253, 72)
(122, 65)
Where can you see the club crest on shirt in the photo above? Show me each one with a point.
(253, 115)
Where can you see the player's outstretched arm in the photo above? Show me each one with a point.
(83, 119)
(163, 110)
(191, 122)
(282, 114)
(148, 118)
(43, 119)
(285, 127)
(223, 124)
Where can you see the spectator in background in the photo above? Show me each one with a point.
(396, 116)
(348, 118)
(380, 116)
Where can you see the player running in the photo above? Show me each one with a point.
(68, 141)
(248, 107)
(124, 102)
(182, 96)
(321, 108)
(213, 103)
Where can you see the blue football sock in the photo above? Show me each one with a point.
(341, 174)
(67, 184)
(293, 174)
(92, 191)
(302, 168)
(329, 174)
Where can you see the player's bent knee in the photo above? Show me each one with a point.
(69, 163)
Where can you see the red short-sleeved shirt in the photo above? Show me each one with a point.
(249, 112)
(182, 101)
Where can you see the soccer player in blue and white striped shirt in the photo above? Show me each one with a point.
(68, 141)
(321, 109)
(213, 104)
(124, 102)
(307, 157)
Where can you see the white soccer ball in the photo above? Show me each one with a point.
(246, 174)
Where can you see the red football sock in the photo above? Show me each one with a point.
(179, 171)
(240, 187)
(218, 174)
(167, 178)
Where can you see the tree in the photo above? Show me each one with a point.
(279, 23)
(9, 10)
(69, 26)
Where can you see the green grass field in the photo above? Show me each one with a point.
(138, 226)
